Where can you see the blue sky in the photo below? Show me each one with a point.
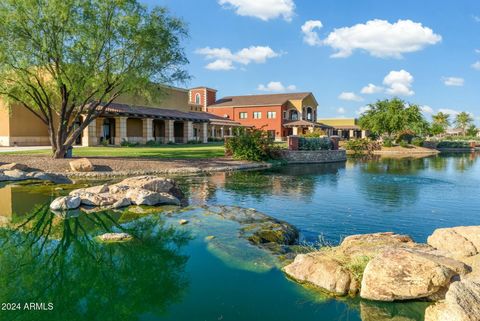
(421, 51)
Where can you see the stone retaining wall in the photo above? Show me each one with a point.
(313, 156)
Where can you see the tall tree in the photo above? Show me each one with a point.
(67, 60)
(389, 117)
(463, 120)
(441, 121)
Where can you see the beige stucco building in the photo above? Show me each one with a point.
(346, 128)
(168, 115)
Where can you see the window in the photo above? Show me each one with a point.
(293, 115)
(284, 115)
(197, 99)
(243, 115)
(309, 114)
(271, 114)
(257, 115)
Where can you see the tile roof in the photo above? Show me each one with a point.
(160, 113)
(258, 100)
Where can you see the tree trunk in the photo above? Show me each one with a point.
(60, 152)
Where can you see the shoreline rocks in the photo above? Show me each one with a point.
(14, 172)
(115, 237)
(141, 190)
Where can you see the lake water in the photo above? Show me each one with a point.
(171, 272)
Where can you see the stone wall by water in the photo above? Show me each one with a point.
(313, 156)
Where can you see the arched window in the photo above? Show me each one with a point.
(293, 115)
(310, 114)
(197, 99)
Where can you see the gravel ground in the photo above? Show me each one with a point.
(134, 165)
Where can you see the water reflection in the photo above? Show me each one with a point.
(48, 259)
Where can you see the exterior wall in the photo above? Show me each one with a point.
(161, 97)
(134, 128)
(233, 113)
(312, 157)
(4, 125)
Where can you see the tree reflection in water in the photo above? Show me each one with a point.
(50, 259)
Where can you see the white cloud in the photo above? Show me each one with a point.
(381, 38)
(276, 86)
(476, 65)
(224, 59)
(371, 89)
(449, 111)
(349, 96)
(341, 110)
(453, 81)
(476, 18)
(426, 109)
(477, 50)
(362, 110)
(310, 36)
(399, 83)
(262, 9)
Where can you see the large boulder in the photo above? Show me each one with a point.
(93, 199)
(140, 196)
(115, 237)
(462, 303)
(150, 183)
(12, 166)
(405, 274)
(322, 271)
(94, 189)
(65, 203)
(458, 242)
(81, 165)
(54, 178)
(14, 175)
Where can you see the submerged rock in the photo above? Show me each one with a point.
(65, 203)
(183, 222)
(405, 274)
(115, 237)
(140, 196)
(462, 303)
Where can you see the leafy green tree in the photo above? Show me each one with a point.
(389, 117)
(463, 120)
(441, 121)
(67, 60)
(472, 131)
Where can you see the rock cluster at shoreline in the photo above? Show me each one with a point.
(14, 172)
(141, 190)
(392, 267)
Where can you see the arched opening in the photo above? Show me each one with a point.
(108, 131)
(197, 99)
(293, 115)
(310, 114)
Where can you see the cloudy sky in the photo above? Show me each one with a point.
(348, 53)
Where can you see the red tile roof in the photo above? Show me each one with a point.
(259, 100)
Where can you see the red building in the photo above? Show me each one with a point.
(280, 114)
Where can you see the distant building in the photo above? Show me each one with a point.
(346, 128)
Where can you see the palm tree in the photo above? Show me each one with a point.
(463, 120)
(442, 120)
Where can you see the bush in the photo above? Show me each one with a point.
(453, 144)
(314, 143)
(152, 143)
(126, 143)
(406, 135)
(361, 146)
(417, 141)
(387, 142)
(404, 144)
(194, 141)
(251, 144)
(315, 133)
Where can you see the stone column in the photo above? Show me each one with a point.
(213, 131)
(364, 134)
(204, 136)
(89, 137)
(169, 132)
(351, 134)
(187, 131)
(120, 130)
(295, 131)
(310, 129)
(230, 131)
(147, 129)
(222, 134)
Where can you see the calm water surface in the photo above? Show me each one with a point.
(171, 273)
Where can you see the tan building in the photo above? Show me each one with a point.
(346, 128)
(169, 115)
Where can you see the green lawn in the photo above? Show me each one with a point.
(168, 151)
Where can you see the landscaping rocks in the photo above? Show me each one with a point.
(81, 165)
(65, 203)
(458, 242)
(405, 274)
(146, 190)
(115, 237)
(462, 303)
(18, 172)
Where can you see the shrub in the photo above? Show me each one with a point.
(417, 141)
(387, 142)
(104, 142)
(126, 143)
(453, 144)
(315, 133)
(194, 141)
(406, 135)
(251, 144)
(314, 143)
(152, 143)
(361, 146)
(404, 144)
